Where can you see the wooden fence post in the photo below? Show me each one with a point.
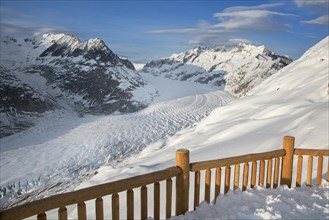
(287, 163)
(182, 181)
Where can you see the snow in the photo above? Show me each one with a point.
(241, 68)
(255, 123)
(15, 53)
(22, 59)
(69, 148)
(173, 89)
(138, 66)
(262, 203)
(96, 150)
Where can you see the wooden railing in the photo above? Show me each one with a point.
(269, 169)
(40, 207)
(224, 167)
(310, 154)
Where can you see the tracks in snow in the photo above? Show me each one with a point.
(107, 139)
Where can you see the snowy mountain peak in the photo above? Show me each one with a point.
(70, 46)
(49, 39)
(96, 43)
(237, 69)
(323, 44)
(266, 51)
(240, 48)
(312, 65)
(54, 37)
(64, 73)
(251, 49)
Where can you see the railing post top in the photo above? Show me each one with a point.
(182, 157)
(288, 142)
(182, 151)
(292, 138)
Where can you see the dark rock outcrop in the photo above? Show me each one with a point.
(59, 71)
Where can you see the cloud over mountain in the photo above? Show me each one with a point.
(233, 21)
(318, 7)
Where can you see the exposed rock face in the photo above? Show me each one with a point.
(59, 71)
(236, 70)
(20, 104)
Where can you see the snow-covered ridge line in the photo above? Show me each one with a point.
(236, 70)
(74, 48)
(84, 77)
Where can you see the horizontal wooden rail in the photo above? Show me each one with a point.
(311, 152)
(198, 166)
(94, 192)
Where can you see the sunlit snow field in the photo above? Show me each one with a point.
(293, 102)
(63, 149)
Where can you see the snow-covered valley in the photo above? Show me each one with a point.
(292, 102)
(64, 152)
(58, 153)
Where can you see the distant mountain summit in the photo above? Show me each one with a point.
(92, 49)
(236, 70)
(56, 71)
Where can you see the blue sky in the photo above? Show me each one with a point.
(145, 30)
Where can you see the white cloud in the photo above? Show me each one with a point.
(217, 40)
(13, 17)
(318, 7)
(322, 20)
(239, 40)
(236, 19)
(176, 31)
(256, 7)
(250, 20)
(321, 3)
(310, 36)
(28, 31)
(233, 20)
(202, 27)
(16, 24)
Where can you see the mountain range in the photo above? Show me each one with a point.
(236, 69)
(59, 72)
(75, 152)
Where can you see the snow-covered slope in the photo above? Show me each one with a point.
(138, 66)
(84, 76)
(263, 203)
(236, 70)
(291, 102)
(70, 149)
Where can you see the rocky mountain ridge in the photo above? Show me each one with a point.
(236, 70)
(58, 71)
(53, 72)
